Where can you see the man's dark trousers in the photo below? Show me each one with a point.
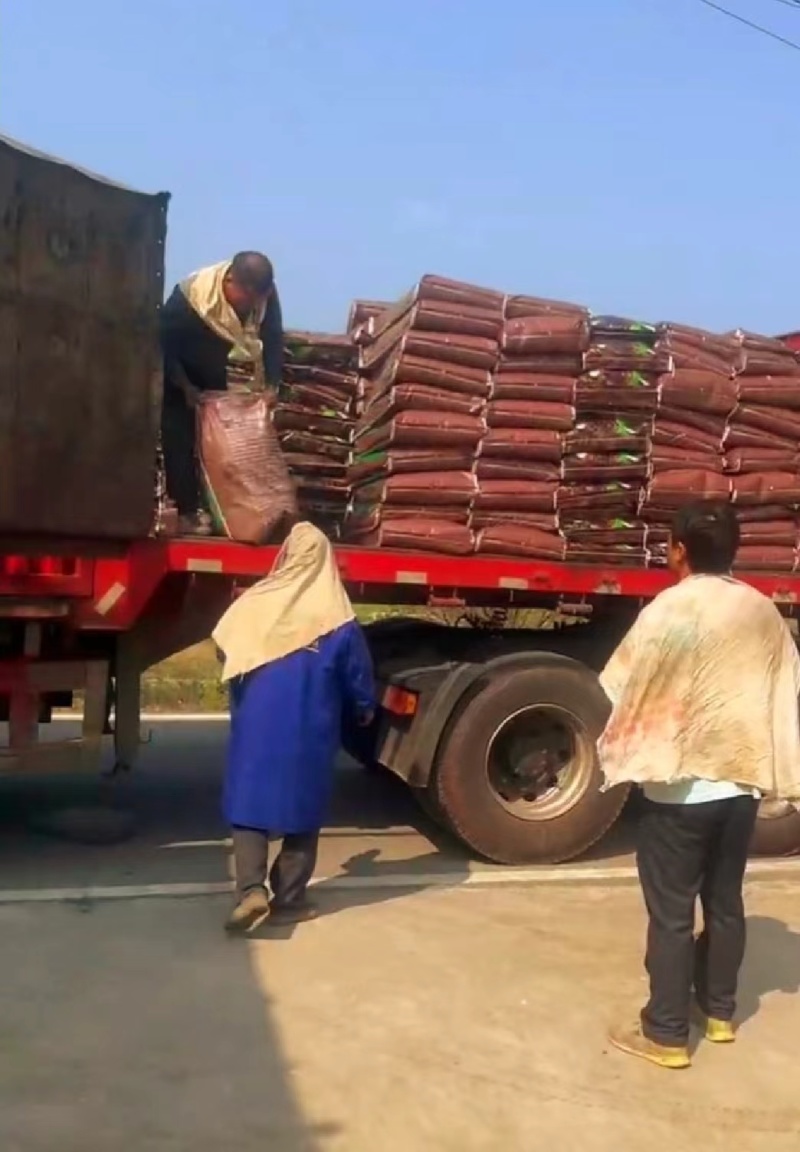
(686, 851)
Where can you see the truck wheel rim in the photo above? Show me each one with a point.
(540, 761)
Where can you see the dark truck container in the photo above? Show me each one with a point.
(81, 281)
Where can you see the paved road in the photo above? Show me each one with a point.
(376, 829)
(457, 1017)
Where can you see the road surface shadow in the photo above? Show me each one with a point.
(138, 1026)
(771, 964)
(174, 798)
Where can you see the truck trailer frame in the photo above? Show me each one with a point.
(493, 728)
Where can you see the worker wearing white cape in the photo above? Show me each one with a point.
(704, 692)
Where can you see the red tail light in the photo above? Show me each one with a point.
(399, 701)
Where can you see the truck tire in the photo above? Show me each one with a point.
(777, 831)
(516, 773)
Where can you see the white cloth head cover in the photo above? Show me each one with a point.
(301, 600)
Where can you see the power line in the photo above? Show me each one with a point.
(790, 4)
(752, 25)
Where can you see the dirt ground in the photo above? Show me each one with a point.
(463, 1020)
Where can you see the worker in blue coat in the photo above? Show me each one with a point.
(298, 667)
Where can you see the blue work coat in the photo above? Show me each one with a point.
(286, 730)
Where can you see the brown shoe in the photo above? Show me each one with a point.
(299, 912)
(251, 911)
(633, 1042)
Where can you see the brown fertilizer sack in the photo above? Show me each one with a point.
(782, 488)
(772, 533)
(565, 334)
(443, 305)
(518, 307)
(521, 470)
(704, 351)
(529, 414)
(601, 391)
(426, 489)
(519, 540)
(511, 385)
(680, 437)
(420, 535)
(309, 444)
(473, 351)
(525, 444)
(435, 373)
(244, 473)
(669, 491)
(515, 496)
(610, 501)
(699, 392)
(762, 460)
(771, 391)
(601, 533)
(745, 436)
(621, 555)
(555, 364)
(542, 521)
(704, 422)
(627, 356)
(609, 434)
(601, 467)
(723, 345)
(765, 558)
(419, 398)
(775, 421)
(293, 418)
(376, 465)
(666, 458)
(412, 429)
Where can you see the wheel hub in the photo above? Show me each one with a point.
(539, 762)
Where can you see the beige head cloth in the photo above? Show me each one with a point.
(302, 599)
(205, 293)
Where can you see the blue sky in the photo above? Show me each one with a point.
(640, 156)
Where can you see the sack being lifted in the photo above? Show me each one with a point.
(246, 481)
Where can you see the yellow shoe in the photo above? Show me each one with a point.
(634, 1043)
(716, 1031)
(719, 1031)
(251, 911)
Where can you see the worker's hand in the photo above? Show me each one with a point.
(366, 718)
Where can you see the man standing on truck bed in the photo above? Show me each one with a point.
(704, 691)
(220, 327)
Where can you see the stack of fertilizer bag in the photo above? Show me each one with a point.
(427, 365)
(727, 426)
(315, 419)
(605, 463)
(530, 418)
(361, 318)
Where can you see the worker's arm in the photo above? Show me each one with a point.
(272, 340)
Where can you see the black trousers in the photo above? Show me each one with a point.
(290, 874)
(686, 851)
(178, 435)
